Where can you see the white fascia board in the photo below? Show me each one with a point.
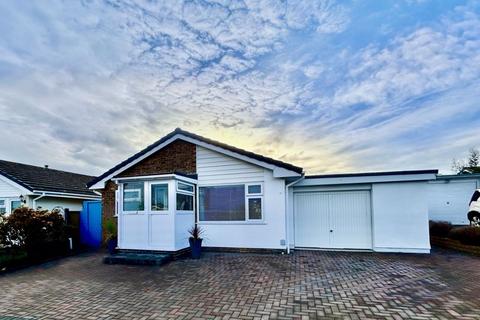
(21, 188)
(278, 172)
(366, 179)
(157, 177)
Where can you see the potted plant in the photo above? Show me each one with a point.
(111, 235)
(195, 241)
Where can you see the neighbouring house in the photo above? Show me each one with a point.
(246, 200)
(42, 188)
(449, 197)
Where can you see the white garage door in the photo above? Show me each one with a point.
(449, 201)
(339, 220)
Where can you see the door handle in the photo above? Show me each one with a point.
(331, 230)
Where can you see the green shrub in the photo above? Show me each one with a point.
(466, 235)
(440, 228)
(110, 229)
(40, 234)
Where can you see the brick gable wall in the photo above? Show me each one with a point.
(179, 156)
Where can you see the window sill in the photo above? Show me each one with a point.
(232, 223)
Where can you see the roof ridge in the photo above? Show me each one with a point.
(39, 167)
(195, 136)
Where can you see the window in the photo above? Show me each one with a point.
(255, 208)
(222, 203)
(159, 197)
(254, 201)
(184, 202)
(254, 189)
(184, 187)
(15, 204)
(3, 208)
(185, 196)
(133, 196)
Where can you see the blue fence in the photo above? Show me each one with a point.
(91, 224)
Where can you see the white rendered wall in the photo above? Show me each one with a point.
(400, 217)
(217, 169)
(184, 221)
(448, 200)
(49, 203)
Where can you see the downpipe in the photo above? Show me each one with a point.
(287, 234)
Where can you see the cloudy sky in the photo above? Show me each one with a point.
(332, 87)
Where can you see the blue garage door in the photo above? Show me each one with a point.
(91, 224)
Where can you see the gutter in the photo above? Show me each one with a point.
(287, 209)
(66, 195)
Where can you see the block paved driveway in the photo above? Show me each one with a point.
(304, 285)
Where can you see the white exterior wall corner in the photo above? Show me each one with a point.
(400, 217)
(214, 168)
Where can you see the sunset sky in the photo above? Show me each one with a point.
(331, 87)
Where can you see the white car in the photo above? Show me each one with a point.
(474, 209)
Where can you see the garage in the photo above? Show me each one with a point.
(378, 211)
(333, 220)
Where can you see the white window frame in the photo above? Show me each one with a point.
(4, 206)
(149, 199)
(13, 200)
(185, 191)
(247, 209)
(122, 188)
(247, 196)
(188, 193)
(253, 196)
(137, 199)
(117, 202)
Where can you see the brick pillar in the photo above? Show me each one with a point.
(108, 204)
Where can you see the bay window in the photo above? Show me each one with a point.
(242, 202)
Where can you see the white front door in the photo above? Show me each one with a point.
(339, 219)
(146, 219)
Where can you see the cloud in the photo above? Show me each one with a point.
(86, 84)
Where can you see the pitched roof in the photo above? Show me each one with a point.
(239, 151)
(46, 179)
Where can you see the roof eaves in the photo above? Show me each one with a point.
(17, 181)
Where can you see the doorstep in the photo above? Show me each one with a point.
(145, 259)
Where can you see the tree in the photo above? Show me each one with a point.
(468, 166)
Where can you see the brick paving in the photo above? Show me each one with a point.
(304, 285)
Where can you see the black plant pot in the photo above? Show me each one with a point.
(196, 247)
(112, 245)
